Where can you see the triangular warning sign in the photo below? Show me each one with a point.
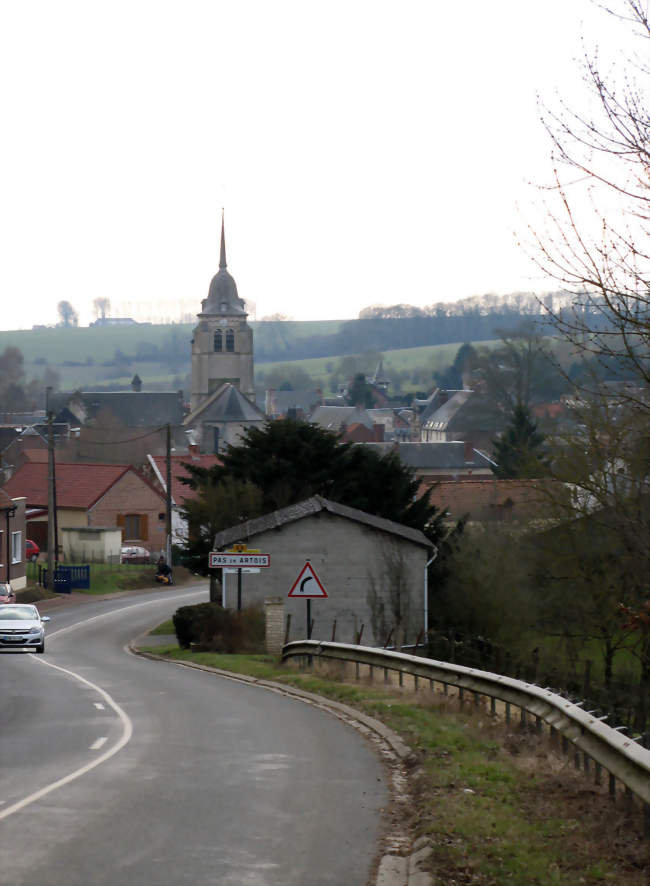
(307, 584)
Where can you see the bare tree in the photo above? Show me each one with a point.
(101, 306)
(67, 314)
(595, 243)
(601, 172)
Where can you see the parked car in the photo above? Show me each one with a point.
(7, 593)
(21, 627)
(32, 550)
(135, 554)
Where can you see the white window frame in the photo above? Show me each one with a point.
(17, 546)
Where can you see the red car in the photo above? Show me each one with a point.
(7, 593)
(32, 550)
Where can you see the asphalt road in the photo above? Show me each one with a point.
(119, 770)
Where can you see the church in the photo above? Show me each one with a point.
(222, 401)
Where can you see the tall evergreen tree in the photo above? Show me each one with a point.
(519, 451)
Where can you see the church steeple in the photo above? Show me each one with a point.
(222, 254)
(223, 297)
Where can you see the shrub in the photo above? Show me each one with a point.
(215, 629)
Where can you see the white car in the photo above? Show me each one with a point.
(21, 627)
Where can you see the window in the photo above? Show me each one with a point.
(135, 527)
(218, 341)
(17, 547)
(230, 340)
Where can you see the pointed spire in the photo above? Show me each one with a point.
(222, 255)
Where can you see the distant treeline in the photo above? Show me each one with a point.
(384, 334)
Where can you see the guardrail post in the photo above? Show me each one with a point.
(477, 700)
(598, 773)
(446, 688)
(576, 759)
(461, 695)
(612, 786)
(585, 760)
(493, 706)
(401, 677)
(356, 669)
(508, 712)
(565, 744)
(431, 685)
(539, 723)
(385, 675)
(415, 682)
(523, 717)
(371, 673)
(646, 819)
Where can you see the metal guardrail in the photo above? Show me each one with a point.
(620, 755)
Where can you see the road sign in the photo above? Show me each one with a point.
(308, 584)
(246, 569)
(219, 559)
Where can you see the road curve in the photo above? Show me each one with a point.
(116, 769)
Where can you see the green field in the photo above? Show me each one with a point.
(78, 354)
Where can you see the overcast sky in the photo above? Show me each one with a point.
(365, 151)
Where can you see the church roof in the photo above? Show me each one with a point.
(227, 403)
(222, 295)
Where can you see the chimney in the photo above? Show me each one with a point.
(194, 451)
(443, 397)
(378, 433)
(469, 452)
(136, 383)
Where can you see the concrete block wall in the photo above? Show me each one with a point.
(344, 554)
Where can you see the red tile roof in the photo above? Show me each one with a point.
(181, 492)
(489, 498)
(77, 485)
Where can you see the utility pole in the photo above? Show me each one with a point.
(168, 483)
(50, 498)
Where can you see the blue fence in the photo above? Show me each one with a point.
(68, 577)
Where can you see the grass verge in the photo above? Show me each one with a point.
(497, 806)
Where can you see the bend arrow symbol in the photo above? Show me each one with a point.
(304, 582)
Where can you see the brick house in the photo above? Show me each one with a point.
(90, 495)
(12, 540)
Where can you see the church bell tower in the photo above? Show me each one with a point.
(222, 344)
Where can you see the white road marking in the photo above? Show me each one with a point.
(96, 745)
(127, 725)
(80, 624)
(99, 706)
(127, 732)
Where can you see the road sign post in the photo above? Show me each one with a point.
(309, 586)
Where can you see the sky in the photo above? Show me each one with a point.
(365, 152)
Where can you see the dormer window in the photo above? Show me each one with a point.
(230, 340)
(218, 341)
(224, 307)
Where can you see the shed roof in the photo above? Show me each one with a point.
(309, 508)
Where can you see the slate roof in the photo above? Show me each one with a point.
(180, 492)
(279, 402)
(308, 508)
(464, 410)
(443, 454)
(333, 417)
(77, 485)
(134, 409)
(7, 435)
(226, 404)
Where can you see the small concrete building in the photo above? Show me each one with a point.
(369, 567)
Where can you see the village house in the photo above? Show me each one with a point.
(99, 495)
